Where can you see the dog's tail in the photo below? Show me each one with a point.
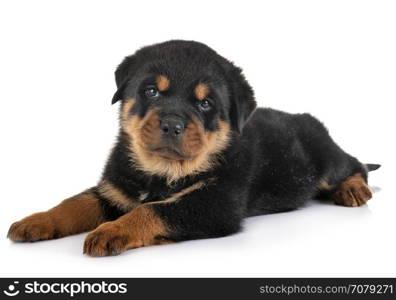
(372, 167)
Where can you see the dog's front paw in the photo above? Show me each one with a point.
(108, 239)
(33, 228)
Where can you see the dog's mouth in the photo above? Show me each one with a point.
(169, 153)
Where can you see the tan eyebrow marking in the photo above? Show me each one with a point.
(162, 83)
(201, 91)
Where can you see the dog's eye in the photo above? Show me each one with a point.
(205, 105)
(151, 92)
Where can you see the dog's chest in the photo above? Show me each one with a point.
(155, 193)
(143, 195)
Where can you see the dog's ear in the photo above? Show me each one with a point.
(119, 94)
(242, 99)
(123, 74)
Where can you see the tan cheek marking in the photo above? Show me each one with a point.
(162, 83)
(148, 131)
(219, 140)
(126, 108)
(116, 196)
(143, 131)
(201, 91)
(193, 139)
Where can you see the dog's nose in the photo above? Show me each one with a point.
(172, 127)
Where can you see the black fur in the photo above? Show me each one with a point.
(273, 165)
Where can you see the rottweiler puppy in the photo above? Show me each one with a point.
(194, 157)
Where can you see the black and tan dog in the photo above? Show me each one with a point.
(194, 157)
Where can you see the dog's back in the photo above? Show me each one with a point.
(291, 159)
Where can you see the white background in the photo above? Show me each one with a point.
(334, 59)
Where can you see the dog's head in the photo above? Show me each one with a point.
(181, 101)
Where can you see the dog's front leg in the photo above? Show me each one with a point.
(74, 215)
(196, 212)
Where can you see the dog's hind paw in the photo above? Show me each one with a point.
(354, 191)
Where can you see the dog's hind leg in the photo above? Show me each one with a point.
(352, 191)
(340, 176)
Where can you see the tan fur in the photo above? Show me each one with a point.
(178, 196)
(74, 215)
(201, 147)
(138, 228)
(324, 185)
(125, 110)
(194, 138)
(162, 83)
(201, 91)
(116, 196)
(353, 191)
(149, 132)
